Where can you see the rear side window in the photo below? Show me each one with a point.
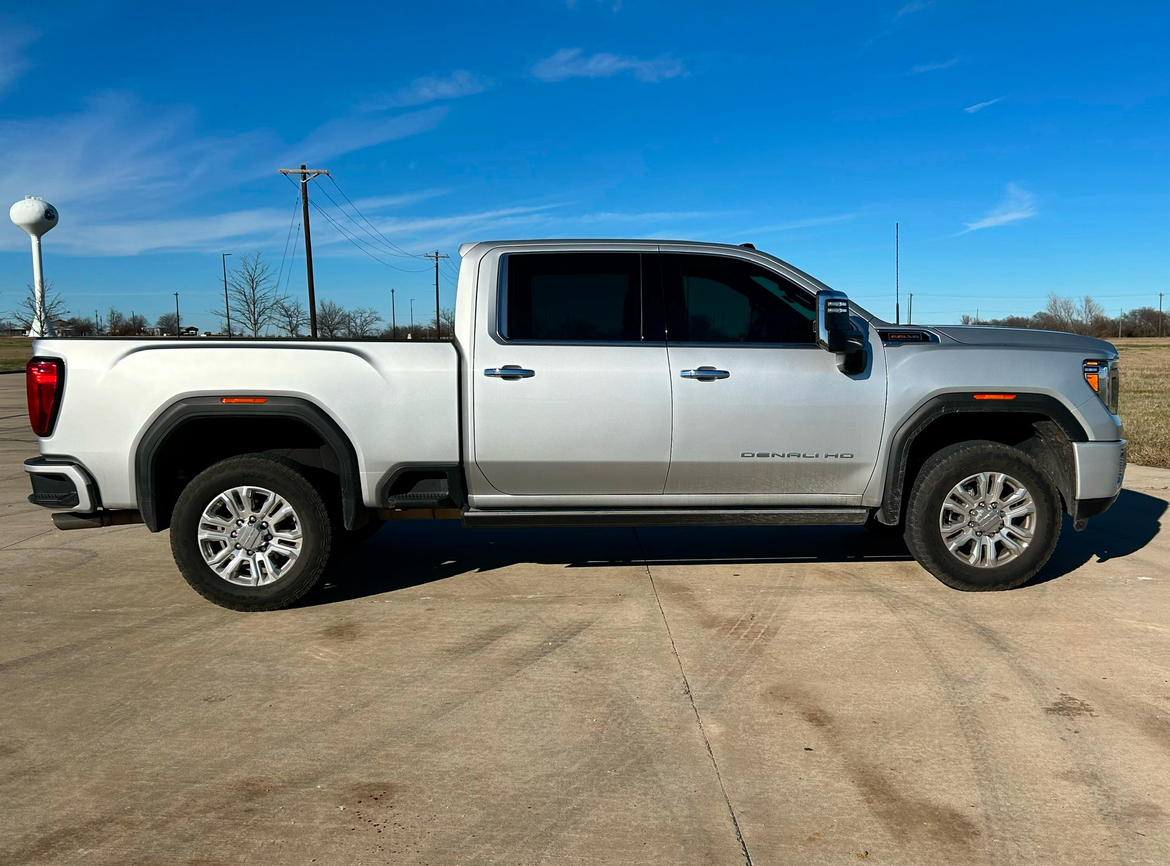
(715, 299)
(571, 297)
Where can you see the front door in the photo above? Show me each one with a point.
(571, 389)
(758, 408)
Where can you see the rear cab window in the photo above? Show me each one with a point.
(579, 298)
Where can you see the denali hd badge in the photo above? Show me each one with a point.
(828, 455)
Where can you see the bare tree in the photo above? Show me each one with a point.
(26, 314)
(447, 319)
(291, 316)
(167, 323)
(136, 324)
(362, 322)
(332, 319)
(116, 324)
(255, 297)
(80, 327)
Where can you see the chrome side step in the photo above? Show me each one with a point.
(666, 517)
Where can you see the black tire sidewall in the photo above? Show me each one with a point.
(280, 476)
(940, 474)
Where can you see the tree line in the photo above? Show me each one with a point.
(1084, 316)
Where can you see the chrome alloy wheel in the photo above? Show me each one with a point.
(250, 536)
(987, 519)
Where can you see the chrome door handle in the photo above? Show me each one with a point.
(705, 374)
(509, 371)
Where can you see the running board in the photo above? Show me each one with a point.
(667, 517)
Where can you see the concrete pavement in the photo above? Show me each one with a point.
(584, 696)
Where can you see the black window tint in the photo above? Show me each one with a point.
(587, 297)
(712, 299)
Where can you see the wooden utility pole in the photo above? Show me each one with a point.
(176, 314)
(435, 255)
(910, 311)
(1160, 313)
(393, 316)
(307, 174)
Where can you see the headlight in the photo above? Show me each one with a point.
(1102, 377)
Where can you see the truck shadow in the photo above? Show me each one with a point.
(405, 554)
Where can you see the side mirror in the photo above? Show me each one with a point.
(837, 333)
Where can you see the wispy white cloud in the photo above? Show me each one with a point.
(573, 63)
(810, 222)
(126, 166)
(13, 60)
(979, 106)
(1017, 204)
(912, 7)
(932, 67)
(429, 88)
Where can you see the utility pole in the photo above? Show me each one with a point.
(393, 316)
(176, 314)
(1120, 315)
(227, 312)
(97, 324)
(307, 174)
(897, 287)
(412, 317)
(910, 312)
(1160, 313)
(436, 257)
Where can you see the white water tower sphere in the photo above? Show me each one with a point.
(36, 216)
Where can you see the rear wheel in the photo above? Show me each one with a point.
(982, 516)
(251, 533)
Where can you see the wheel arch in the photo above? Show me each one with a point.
(1040, 424)
(302, 428)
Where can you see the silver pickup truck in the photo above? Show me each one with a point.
(589, 383)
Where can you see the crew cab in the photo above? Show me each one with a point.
(587, 383)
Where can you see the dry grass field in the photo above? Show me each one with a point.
(1145, 399)
(1145, 392)
(14, 352)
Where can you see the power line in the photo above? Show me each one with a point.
(288, 236)
(371, 225)
(357, 241)
(378, 245)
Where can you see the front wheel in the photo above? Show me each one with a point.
(251, 533)
(982, 516)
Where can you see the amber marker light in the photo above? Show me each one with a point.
(995, 396)
(243, 399)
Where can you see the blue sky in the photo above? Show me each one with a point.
(1021, 146)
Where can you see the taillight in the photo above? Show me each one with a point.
(43, 380)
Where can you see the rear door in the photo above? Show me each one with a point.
(571, 389)
(758, 407)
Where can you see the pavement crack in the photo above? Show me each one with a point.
(747, 857)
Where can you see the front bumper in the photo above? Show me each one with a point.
(1100, 468)
(58, 482)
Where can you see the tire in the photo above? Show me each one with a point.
(282, 566)
(957, 499)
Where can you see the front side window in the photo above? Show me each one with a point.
(571, 297)
(715, 299)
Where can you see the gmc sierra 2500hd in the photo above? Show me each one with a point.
(588, 383)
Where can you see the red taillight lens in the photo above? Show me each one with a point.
(43, 381)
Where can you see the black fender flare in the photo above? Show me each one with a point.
(959, 402)
(294, 408)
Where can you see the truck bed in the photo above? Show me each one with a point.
(391, 398)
